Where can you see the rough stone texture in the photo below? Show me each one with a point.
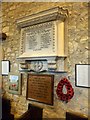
(77, 44)
(46, 1)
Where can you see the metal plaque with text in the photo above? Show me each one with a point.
(40, 88)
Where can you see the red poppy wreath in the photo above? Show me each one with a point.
(70, 91)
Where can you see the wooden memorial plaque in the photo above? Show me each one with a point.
(40, 88)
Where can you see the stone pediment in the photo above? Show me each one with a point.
(52, 14)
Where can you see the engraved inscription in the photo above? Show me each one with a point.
(40, 37)
(46, 38)
(32, 42)
(40, 88)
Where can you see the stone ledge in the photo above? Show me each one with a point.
(43, 16)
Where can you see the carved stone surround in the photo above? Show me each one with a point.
(39, 57)
(52, 14)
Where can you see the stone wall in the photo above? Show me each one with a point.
(77, 37)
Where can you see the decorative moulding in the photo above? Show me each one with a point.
(52, 14)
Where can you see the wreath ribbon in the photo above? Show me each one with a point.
(70, 91)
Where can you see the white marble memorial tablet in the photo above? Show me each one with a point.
(42, 40)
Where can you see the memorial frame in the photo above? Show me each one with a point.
(82, 76)
(46, 98)
(5, 65)
(14, 83)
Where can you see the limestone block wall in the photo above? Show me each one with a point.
(77, 44)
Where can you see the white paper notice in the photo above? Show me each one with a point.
(82, 74)
(5, 67)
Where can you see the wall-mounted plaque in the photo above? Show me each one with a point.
(14, 83)
(5, 67)
(82, 75)
(42, 34)
(39, 40)
(42, 37)
(40, 88)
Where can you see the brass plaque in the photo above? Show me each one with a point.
(40, 88)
